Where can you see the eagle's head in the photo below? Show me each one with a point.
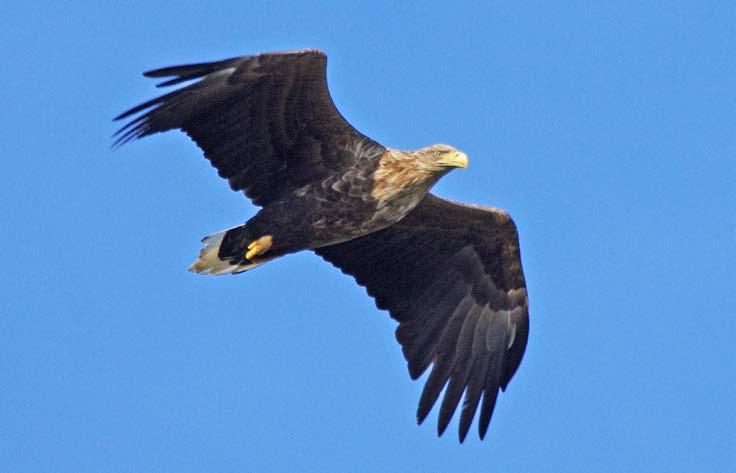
(440, 158)
(414, 171)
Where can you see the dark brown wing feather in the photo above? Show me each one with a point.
(451, 275)
(266, 122)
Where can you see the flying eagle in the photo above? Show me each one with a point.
(449, 273)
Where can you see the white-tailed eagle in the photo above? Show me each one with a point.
(449, 273)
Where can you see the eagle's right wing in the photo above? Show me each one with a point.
(266, 122)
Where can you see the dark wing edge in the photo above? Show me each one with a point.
(266, 122)
(149, 123)
(451, 275)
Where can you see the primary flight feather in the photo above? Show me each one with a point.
(449, 273)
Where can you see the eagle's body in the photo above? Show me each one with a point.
(449, 274)
(337, 208)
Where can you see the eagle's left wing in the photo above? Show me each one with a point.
(451, 275)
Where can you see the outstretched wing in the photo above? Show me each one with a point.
(451, 275)
(266, 122)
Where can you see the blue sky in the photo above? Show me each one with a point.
(608, 131)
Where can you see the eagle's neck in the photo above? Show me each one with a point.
(401, 175)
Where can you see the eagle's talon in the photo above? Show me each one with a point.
(259, 247)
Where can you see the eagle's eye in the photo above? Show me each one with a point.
(440, 153)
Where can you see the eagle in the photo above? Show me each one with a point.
(450, 274)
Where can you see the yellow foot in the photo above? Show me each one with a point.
(259, 246)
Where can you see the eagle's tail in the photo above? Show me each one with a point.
(213, 261)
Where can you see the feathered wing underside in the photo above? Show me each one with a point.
(451, 276)
(266, 122)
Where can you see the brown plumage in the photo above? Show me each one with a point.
(450, 274)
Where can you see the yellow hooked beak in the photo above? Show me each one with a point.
(456, 159)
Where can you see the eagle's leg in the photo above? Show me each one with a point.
(259, 247)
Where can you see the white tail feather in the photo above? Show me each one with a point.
(208, 262)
